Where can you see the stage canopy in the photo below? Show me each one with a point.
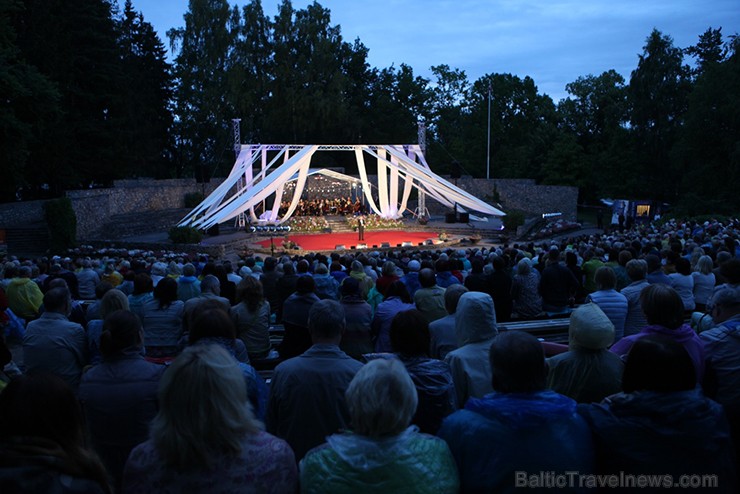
(243, 190)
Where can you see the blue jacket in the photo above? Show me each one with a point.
(662, 433)
(615, 306)
(504, 433)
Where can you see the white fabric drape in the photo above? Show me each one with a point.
(366, 189)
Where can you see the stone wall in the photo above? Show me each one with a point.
(523, 195)
(21, 214)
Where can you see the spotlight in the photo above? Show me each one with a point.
(252, 229)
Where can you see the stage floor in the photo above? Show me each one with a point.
(373, 240)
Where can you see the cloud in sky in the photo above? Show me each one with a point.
(554, 42)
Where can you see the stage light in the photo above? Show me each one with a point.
(407, 244)
(339, 247)
(362, 246)
(252, 229)
(385, 245)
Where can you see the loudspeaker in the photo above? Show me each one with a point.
(385, 245)
(464, 218)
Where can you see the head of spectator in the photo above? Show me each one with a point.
(605, 278)
(409, 334)
(475, 318)
(637, 269)
(683, 266)
(269, 265)
(24, 272)
(288, 269)
(121, 333)
(499, 264)
(653, 263)
(731, 271)
(41, 412)
(350, 288)
(517, 363)
(211, 321)
(305, 285)
(159, 269)
(166, 292)
(452, 297)
(571, 258)
(102, 288)
(625, 256)
(142, 284)
(658, 363)
(414, 266)
(190, 432)
(326, 322)
(476, 265)
(389, 269)
(173, 269)
(112, 301)
(704, 265)
(210, 284)
(590, 329)
(524, 267)
(250, 292)
(725, 304)
(58, 300)
(357, 267)
(188, 270)
(427, 278)
(381, 399)
(303, 267)
(321, 269)
(398, 289)
(662, 306)
(553, 256)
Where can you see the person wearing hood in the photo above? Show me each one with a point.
(410, 341)
(588, 372)
(411, 278)
(475, 330)
(326, 285)
(664, 313)
(520, 428)
(381, 453)
(662, 423)
(357, 271)
(24, 296)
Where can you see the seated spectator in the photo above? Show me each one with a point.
(430, 298)
(520, 427)
(655, 271)
(251, 316)
(444, 276)
(475, 329)
(613, 303)
(53, 343)
(357, 272)
(208, 445)
(188, 285)
(122, 390)
(326, 285)
(500, 290)
(432, 378)
(442, 331)
(210, 290)
(76, 311)
(87, 280)
(397, 300)
(111, 302)
(212, 325)
(661, 424)
(162, 318)
(591, 263)
(525, 291)
(306, 401)
(411, 279)
(24, 296)
(588, 372)
(664, 313)
(381, 453)
(558, 286)
(93, 310)
(635, 320)
(42, 440)
(143, 288)
(286, 286)
(477, 280)
(357, 339)
(296, 308)
(388, 276)
(683, 283)
(704, 281)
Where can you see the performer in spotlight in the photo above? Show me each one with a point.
(361, 228)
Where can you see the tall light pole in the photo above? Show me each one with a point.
(488, 149)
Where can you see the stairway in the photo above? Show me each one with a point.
(121, 226)
(338, 224)
(29, 240)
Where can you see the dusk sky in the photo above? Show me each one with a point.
(552, 41)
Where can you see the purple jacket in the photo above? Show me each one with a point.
(684, 335)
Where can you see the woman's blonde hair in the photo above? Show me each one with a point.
(381, 399)
(204, 410)
(112, 301)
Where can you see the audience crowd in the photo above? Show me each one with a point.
(397, 371)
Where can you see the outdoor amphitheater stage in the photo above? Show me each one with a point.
(337, 241)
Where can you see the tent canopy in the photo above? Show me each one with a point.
(243, 190)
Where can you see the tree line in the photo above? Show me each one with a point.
(90, 97)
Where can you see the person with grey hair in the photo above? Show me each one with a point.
(87, 279)
(442, 331)
(216, 445)
(188, 285)
(53, 343)
(521, 427)
(637, 272)
(722, 350)
(381, 453)
(306, 401)
(327, 287)
(210, 289)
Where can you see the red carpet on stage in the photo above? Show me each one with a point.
(329, 241)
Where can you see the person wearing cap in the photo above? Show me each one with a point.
(588, 372)
(411, 278)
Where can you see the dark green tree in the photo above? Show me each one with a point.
(145, 117)
(658, 92)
